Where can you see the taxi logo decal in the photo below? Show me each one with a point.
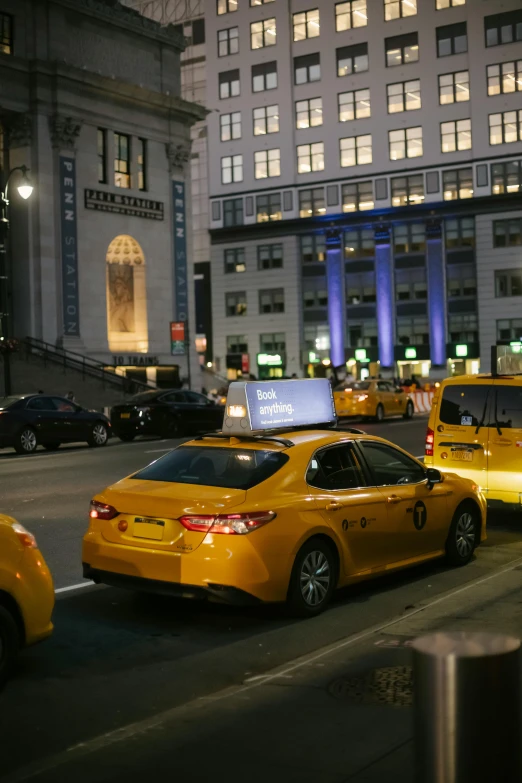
(420, 515)
(345, 524)
(363, 522)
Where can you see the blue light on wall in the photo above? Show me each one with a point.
(385, 303)
(436, 294)
(336, 298)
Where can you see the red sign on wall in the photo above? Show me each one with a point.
(177, 338)
(245, 362)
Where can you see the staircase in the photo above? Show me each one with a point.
(38, 365)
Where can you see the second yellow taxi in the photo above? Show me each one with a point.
(375, 399)
(280, 506)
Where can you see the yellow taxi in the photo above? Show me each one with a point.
(475, 429)
(279, 506)
(372, 399)
(26, 593)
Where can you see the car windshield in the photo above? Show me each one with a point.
(6, 402)
(214, 467)
(354, 385)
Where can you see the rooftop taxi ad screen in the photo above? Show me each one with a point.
(289, 403)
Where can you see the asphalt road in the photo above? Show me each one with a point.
(120, 663)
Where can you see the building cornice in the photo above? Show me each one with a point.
(432, 211)
(121, 16)
(173, 106)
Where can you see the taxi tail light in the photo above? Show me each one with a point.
(102, 511)
(227, 524)
(24, 536)
(430, 439)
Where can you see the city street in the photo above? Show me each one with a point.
(132, 683)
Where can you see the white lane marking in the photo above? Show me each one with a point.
(139, 727)
(157, 451)
(73, 587)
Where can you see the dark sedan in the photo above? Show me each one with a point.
(29, 420)
(167, 413)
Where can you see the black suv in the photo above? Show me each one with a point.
(166, 412)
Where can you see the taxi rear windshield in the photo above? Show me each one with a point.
(215, 467)
(355, 385)
(464, 405)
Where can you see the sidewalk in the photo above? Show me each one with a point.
(308, 721)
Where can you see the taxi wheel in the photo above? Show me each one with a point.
(463, 535)
(408, 413)
(379, 413)
(26, 442)
(313, 579)
(9, 643)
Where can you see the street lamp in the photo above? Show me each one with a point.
(25, 190)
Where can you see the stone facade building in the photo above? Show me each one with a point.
(100, 256)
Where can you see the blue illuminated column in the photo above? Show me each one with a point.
(436, 293)
(385, 295)
(336, 296)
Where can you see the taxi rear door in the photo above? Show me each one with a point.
(505, 442)
(417, 514)
(387, 397)
(461, 429)
(355, 511)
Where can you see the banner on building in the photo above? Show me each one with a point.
(177, 338)
(68, 216)
(180, 252)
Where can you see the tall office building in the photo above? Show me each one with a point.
(365, 181)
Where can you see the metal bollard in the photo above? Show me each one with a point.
(467, 708)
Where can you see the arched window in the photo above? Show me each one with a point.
(127, 329)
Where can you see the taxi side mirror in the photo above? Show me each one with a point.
(434, 476)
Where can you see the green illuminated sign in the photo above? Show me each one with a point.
(516, 347)
(410, 353)
(313, 358)
(360, 354)
(269, 360)
(461, 350)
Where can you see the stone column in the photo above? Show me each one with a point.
(436, 280)
(336, 296)
(23, 284)
(64, 132)
(385, 290)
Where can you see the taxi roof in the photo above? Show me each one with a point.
(484, 377)
(281, 440)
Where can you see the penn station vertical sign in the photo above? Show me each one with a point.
(180, 251)
(69, 217)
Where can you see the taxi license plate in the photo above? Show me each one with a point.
(463, 456)
(125, 415)
(148, 528)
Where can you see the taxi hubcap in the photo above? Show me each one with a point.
(28, 439)
(465, 534)
(100, 434)
(315, 578)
